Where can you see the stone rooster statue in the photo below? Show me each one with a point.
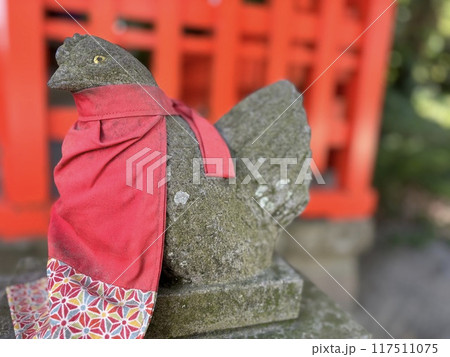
(227, 228)
(215, 228)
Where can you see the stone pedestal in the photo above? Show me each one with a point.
(337, 245)
(186, 309)
(319, 317)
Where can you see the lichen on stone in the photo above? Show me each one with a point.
(181, 198)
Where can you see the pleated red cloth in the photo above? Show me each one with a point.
(106, 232)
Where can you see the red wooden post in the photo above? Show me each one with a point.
(321, 89)
(25, 160)
(280, 35)
(3, 49)
(367, 96)
(167, 64)
(223, 79)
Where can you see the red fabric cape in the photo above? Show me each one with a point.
(100, 226)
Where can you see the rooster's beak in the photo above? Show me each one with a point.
(64, 78)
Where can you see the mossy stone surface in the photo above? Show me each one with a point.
(20, 262)
(186, 309)
(226, 232)
(319, 317)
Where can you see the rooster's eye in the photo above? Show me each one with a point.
(99, 59)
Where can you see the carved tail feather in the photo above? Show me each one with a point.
(266, 126)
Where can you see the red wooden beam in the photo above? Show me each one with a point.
(102, 19)
(23, 222)
(25, 162)
(339, 204)
(60, 120)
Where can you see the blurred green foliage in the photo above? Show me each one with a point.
(415, 140)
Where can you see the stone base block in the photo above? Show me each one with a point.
(337, 245)
(184, 310)
(328, 238)
(319, 317)
(343, 268)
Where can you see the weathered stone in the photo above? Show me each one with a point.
(6, 325)
(336, 245)
(226, 235)
(186, 309)
(343, 268)
(19, 263)
(78, 68)
(219, 231)
(327, 237)
(23, 256)
(319, 317)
